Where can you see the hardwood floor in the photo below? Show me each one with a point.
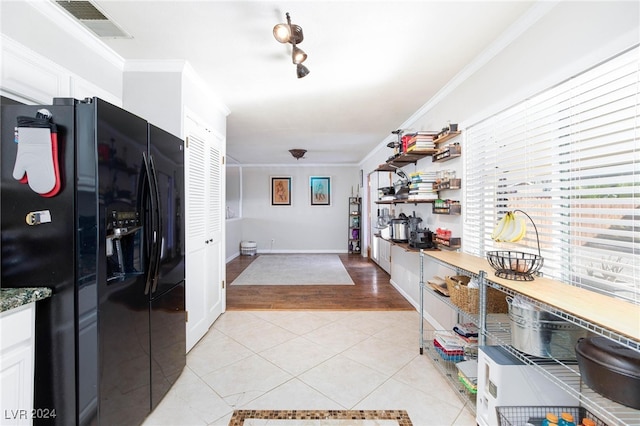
(372, 290)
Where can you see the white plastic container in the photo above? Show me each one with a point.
(248, 248)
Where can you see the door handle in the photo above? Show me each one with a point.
(152, 234)
(158, 227)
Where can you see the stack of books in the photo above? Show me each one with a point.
(449, 346)
(468, 374)
(467, 332)
(421, 186)
(421, 141)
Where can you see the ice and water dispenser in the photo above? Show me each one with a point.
(124, 244)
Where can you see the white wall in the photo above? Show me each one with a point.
(233, 189)
(554, 42)
(162, 108)
(299, 227)
(233, 237)
(233, 196)
(161, 90)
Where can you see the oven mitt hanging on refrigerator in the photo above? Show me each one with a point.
(37, 156)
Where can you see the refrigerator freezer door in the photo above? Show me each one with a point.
(168, 341)
(168, 327)
(167, 157)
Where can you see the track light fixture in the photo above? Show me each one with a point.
(291, 33)
(298, 56)
(301, 70)
(298, 153)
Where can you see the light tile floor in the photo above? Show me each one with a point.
(306, 360)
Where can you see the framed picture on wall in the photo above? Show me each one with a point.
(281, 191)
(320, 190)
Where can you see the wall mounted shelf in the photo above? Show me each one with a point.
(407, 201)
(448, 184)
(449, 153)
(404, 159)
(453, 210)
(412, 157)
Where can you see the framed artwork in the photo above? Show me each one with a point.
(320, 190)
(281, 191)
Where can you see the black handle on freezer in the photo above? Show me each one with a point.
(158, 223)
(152, 268)
(144, 191)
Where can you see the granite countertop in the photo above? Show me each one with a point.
(15, 297)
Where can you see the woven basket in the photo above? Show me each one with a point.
(468, 299)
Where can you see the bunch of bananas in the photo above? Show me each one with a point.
(509, 229)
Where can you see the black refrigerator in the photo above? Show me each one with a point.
(92, 204)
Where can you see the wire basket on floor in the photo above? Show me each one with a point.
(517, 265)
(520, 416)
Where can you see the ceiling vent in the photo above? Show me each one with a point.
(92, 18)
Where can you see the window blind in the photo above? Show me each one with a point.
(569, 157)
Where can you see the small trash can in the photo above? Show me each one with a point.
(248, 248)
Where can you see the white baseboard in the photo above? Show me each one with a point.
(233, 256)
(431, 320)
(301, 251)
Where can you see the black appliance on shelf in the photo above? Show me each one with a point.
(422, 239)
(109, 240)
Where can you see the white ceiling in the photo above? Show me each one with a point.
(373, 64)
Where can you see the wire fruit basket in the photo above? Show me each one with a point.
(517, 265)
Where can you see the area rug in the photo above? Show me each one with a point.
(320, 418)
(295, 269)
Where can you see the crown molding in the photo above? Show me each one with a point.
(269, 165)
(68, 24)
(191, 73)
(537, 11)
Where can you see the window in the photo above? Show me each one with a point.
(570, 158)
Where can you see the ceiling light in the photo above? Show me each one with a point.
(298, 153)
(301, 71)
(291, 33)
(288, 33)
(282, 33)
(298, 56)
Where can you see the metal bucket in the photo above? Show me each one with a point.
(542, 334)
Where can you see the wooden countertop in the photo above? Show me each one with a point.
(607, 312)
(404, 246)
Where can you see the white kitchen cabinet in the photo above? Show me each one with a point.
(17, 365)
(381, 253)
(32, 78)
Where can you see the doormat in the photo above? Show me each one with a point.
(295, 269)
(320, 418)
